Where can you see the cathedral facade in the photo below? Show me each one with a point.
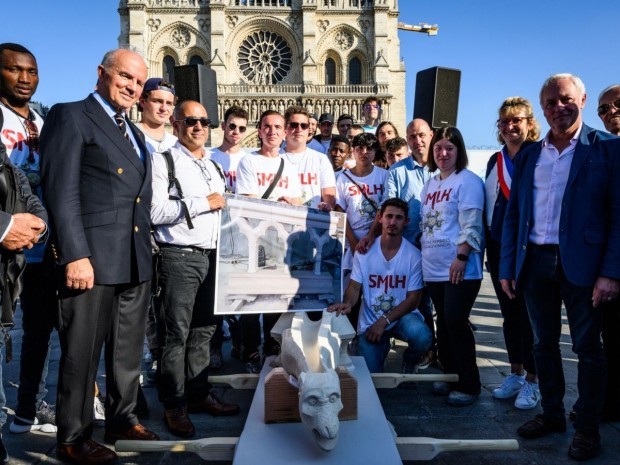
(326, 55)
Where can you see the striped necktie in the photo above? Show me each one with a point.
(122, 126)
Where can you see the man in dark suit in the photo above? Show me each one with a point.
(96, 177)
(561, 242)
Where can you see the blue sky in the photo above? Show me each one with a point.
(503, 49)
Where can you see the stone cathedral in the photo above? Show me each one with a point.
(326, 55)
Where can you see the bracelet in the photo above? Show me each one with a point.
(386, 319)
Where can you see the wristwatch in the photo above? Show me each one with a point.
(462, 257)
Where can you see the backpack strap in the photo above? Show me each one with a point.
(173, 181)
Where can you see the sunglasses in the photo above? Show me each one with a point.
(295, 125)
(605, 107)
(502, 123)
(233, 126)
(191, 121)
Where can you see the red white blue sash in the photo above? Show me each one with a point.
(504, 173)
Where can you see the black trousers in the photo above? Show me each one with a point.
(113, 315)
(186, 325)
(517, 327)
(455, 340)
(39, 306)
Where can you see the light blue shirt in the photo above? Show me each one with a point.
(405, 181)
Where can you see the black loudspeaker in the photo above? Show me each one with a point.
(199, 83)
(437, 96)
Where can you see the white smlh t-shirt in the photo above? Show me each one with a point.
(229, 164)
(385, 283)
(349, 197)
(315, 173)
(255, 173)
(442, 200)
(154, 145)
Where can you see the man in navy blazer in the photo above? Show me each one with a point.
(96, 178)
(561, 243)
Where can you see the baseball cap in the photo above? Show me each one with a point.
(158, 84)
(326, 117)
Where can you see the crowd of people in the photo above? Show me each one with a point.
(125, 248)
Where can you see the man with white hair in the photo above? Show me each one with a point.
(561, 243)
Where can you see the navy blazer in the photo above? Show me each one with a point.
(97, 192)
(590, 217)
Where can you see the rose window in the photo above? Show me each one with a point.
(264, 58)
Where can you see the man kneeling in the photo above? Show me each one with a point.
(390, 278)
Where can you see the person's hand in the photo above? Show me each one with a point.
(363, 245)
(324, 206)
(216, 201)
(376, 330)
(80, 274)
(605, 289)
(457, 271)
(509, 286)
(24, 232)
(340, 309)
(284, 199)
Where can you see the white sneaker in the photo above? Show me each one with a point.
(510, 387)
(21, 425)
(98, 412)
(529, 396)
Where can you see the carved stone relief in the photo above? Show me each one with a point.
(180, 37)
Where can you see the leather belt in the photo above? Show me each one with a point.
(185, 248)
(546, 247)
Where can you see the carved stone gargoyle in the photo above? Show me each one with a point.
(311, 351)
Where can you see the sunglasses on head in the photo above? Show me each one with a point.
(233, 126)
(295, 125)
(605, 107)
(192, 120)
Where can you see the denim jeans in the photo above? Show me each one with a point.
(410, 328)
(544, 287)
(186, 326)
(456, 345)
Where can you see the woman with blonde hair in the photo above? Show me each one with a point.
(516, 129)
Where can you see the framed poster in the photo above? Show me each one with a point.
(274, 257)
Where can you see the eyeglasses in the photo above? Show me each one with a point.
(191, 121)
(605, 107)
(204, 171)
(371, 106)
(33, 138)
(516, 120)
(295, 125)
(233, 126)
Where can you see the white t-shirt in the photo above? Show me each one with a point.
(229, 164)
(360, 212)
(442, 200)
(14, 136)
(154, 145)
(315, 173)
(385, 283)
(255, 173)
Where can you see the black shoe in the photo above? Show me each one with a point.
(4, 454)
(584, 446)
(541, 426)
(253, 365)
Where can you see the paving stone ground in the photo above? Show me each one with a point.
(414, 411)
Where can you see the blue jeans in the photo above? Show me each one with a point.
(411, 329)
(544, 287)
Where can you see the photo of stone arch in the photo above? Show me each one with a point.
(274, 257)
